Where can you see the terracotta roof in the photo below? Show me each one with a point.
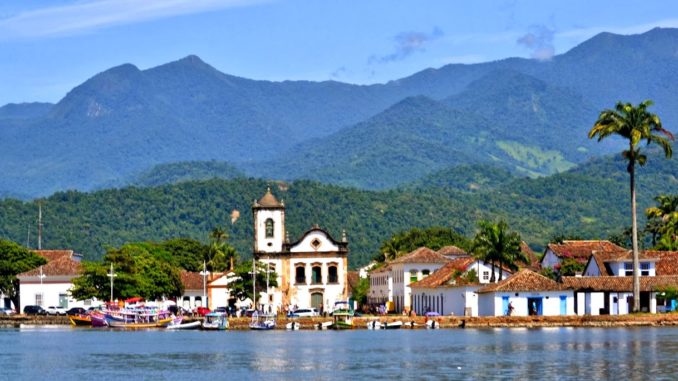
(603, 258)
(269, 201)
(619, 283)
(533, 262)
(51, 255)
(422, 255)
(452, 251)
(385, 268)
(191, 280)
(524, 280)
(62, 266)
(444, 276)
(667, 261)
(583, 249)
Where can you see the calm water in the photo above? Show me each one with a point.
(52, 353)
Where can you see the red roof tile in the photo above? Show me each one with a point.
(583, 249)
(268, 201)
(667, 261)
(62, 266)
(452, 251)
(422, 255)
(51, 255)
(191, 280)
(353, 278)
(523, 281)
(445, 276)
(533, 262)
(619, 283)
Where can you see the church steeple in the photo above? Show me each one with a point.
(269, 224)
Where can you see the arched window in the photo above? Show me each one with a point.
(316, 275)
(425, 273)
(300, 274)
(332, 275)
(413, 276)
(269, 228)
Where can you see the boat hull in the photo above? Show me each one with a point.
(80, 320)
(159, 324)
(185, 326)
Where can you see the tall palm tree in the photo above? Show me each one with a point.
(662, 220)
(495, 243)
(635, 124)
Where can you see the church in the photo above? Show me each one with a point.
(311, 271)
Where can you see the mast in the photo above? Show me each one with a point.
(39, 225)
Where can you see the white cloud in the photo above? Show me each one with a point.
(96, 14)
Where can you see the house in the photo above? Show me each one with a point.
(579, 251)
(311, 271)
(528, 293)
(452, 252)
(618, 263)
(451, 290)
(381, 286)
(50, 284)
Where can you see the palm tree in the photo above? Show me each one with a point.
(494, 242)
(633, 123)
(662, 220)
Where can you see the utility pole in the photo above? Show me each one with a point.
(112, 275)
(204, 274)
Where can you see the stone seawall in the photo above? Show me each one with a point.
(646, 320)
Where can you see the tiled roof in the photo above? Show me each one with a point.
(422, 255)
(619, 283)
(583, 249)
(51, 255)
(191, 280)
(382, 269)
(61, 266)
(452, 251)
(445, 275)
(602, 258)
(533, 262)
(269, 201)
(667, 261)
(523, 281)
(353, 278)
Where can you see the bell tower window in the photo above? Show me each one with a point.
(269, 228)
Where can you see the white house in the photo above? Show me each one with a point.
(50, 284)
(451, 290)
(528, 293)
(311, 272)
(579, 251)
(381, 286)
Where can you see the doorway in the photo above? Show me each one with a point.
(317, 300)
(534, 306)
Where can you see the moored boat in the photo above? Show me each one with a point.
(324, 325)
(215, 321)
(293, 326)
(80, 320)
(262, 322)
(190, 325)
(374, 325)
(135, 318)
(342, 315)
(393, 325)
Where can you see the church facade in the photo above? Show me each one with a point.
(311, 271)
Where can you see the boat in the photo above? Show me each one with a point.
(432, 324)
(374, 324)
(342, 315)
(98, 319)
(80, 320)
(323, 326)
(215, 321)
(293, 326)
(190, 325)
(262, 322)
(135, 318)
(393, 325)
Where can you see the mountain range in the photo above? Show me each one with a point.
(526, 116)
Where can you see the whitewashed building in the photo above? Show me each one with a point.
(311, 271)
(579, 251)
(528, 293)
(381, 286)
(451, 290)
(50, 284)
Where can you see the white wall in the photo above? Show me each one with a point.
(305, 245)
(276, 242)
(491, 304)
(549, 260)
(50, 292)
(454, 300)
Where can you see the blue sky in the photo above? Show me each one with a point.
(49, 47)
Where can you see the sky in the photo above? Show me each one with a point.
(49, 47)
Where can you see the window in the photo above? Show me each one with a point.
(645, 269)
(38, 299)
(628, 268)
(486, 275)
(269, 228)
(316, 275)
(332, 276)
(425, 273)
(413, 276)
(300, 274)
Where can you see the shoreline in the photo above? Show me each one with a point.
(446, 322)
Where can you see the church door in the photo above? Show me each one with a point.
(316, 300)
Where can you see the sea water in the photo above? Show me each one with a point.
(60, 352)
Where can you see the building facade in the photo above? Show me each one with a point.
(311, 271)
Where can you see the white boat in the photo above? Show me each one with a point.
(215, 321)
(191, 325)
(374, 324)
(393, 325)
(323, 326)
(262, 322)
(293, 326)
(432, 324)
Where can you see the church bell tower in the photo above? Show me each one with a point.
(269, 224)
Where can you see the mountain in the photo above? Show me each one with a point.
(591, 201)
(24, 110)
(124, 120)
(173, 173)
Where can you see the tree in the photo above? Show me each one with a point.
(15, 259)
(635, 124)
(662, 222)
(434, 238)
(361, 290)
(221, 255)
(242, 286)
(495, 243)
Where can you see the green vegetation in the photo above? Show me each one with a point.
(434, 238)
(633, 123)
(535, 160)
(662, 222)
(15, 259)
(495, 243)
(173, 173)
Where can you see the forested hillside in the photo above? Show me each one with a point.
(591, 202)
